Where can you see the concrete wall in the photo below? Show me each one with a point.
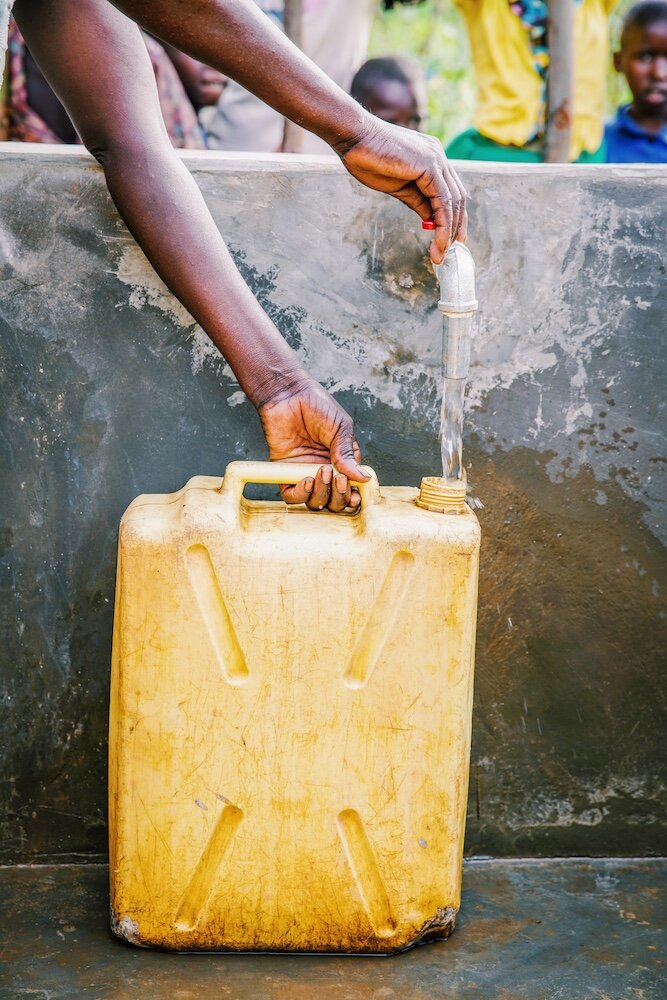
(108, 391)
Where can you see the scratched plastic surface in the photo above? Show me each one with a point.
(290, 719)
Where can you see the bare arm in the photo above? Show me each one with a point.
(203, 84)
(97, 63)
(235, 37)
(94, 59)
(108, 88)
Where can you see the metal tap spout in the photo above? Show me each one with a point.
(456, 275)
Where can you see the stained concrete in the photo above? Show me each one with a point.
(109, 391)
(576, 930)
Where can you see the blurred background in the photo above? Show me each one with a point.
(434, 33)
(202, 109)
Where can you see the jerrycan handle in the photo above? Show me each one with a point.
(238, 474)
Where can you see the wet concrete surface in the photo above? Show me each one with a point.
(528, 930)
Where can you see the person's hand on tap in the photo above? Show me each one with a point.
(412, 167)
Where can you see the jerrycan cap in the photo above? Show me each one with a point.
(428, 223)
(443, 496)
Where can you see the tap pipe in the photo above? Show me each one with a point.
(457, 303)
(456, 275)
(456, 346)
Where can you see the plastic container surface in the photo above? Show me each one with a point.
(290, 719)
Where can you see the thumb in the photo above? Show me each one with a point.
(345, 455)
(411, 196)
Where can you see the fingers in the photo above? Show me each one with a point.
(458, 201)
(311, 426)
(327, 491)
(414, 199)
(345, 453)
(321, 494)
(332, 491)
(454, 216)
(442, 216)
(455, 194)
(461, 233)
(419, 203)
(433, 183)
(300, 493)
(341, 494)
(440, 185)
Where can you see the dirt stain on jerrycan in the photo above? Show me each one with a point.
(290, 718)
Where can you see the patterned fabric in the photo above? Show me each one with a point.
(511, 90)
(180, 118)
(534, 16)
(5, 7)
(179, 115)
(25, 125)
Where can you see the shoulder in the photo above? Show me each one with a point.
(624, 139)
(614, 125)
(622, 120)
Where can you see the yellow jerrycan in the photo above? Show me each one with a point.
(290, 721)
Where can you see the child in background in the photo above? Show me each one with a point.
(638, 134)
(509, 45)
(334, 34)
(36, 115)
(391, 88)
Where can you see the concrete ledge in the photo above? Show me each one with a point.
(109, 391)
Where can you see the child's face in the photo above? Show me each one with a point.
(211, 85)
(396, 103)
(643, 60)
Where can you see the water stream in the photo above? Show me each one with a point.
(451, 427)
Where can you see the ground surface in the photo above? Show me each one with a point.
(528, 930)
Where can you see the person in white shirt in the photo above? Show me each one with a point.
(335, 36)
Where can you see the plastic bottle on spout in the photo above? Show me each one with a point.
(290, 722)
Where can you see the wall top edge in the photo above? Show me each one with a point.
(286, 163)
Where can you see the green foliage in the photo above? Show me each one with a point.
(434, 33)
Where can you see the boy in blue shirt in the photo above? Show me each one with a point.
(638, 134)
